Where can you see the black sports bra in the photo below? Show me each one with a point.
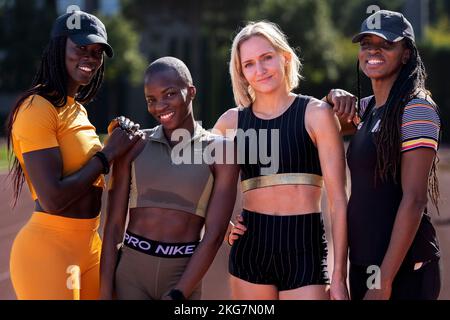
(277, 151)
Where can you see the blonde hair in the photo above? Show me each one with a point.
(243, 93)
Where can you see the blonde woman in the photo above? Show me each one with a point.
(297, 146)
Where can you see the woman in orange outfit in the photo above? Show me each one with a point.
(56, 255)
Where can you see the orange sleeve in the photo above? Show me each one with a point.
(36, 124)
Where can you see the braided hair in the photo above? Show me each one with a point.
(49, 82)
(409, 84)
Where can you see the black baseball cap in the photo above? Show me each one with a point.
(389, 25)
(83, 29)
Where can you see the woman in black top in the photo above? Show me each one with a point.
(392, 161)
(283, 254)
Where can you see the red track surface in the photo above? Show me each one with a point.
(215, 284)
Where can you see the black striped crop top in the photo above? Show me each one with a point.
(277, 151)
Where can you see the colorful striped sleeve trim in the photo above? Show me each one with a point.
(420, 126)
(419, 143)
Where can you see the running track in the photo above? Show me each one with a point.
(215, 284)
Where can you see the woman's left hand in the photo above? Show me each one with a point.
(126, 124)
(338, 290)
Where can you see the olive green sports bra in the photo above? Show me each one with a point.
(172, 177)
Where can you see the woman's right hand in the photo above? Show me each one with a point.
(338, 289)
(237, 230)
(343, 103)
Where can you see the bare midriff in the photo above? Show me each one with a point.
(165, 225)
(284, 200)
(86, 207)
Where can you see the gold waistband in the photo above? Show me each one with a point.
(282, 179)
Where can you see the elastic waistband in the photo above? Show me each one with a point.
(58, 222)
(159, 249)
(282, 179)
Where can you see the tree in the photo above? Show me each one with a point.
(25, 29)
(309, 27)
(439, 10)
(122, 72)
(348, 15)
(199, 32)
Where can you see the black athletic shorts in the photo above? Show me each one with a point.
(286, 251)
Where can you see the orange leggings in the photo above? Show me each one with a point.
(55, 258)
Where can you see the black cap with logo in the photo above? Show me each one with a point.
(83, 29)
(389, 25)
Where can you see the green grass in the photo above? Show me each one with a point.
(3, 157)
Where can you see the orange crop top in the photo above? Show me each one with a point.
(41, 125)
